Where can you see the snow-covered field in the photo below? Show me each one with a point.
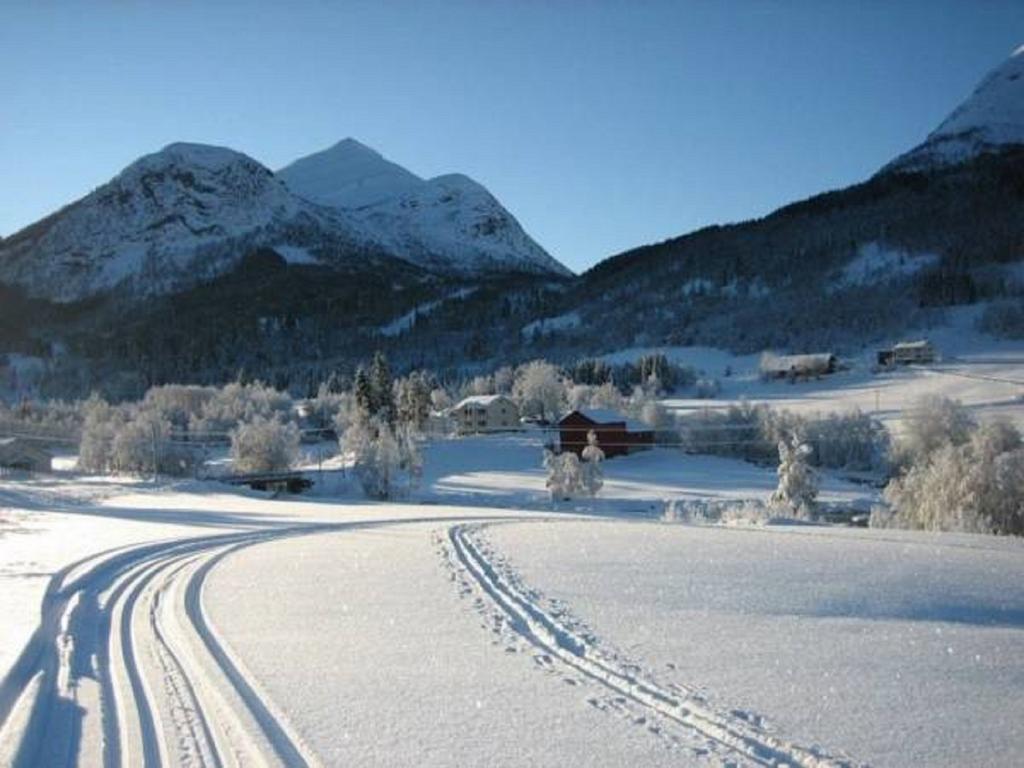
(985, 374)
(476, 623)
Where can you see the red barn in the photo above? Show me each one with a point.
(616, 434)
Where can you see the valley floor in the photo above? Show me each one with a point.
(188, 624)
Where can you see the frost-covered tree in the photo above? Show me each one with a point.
(264, 445)
(440, 400)
(565, 475)
(539, 390)
(412, 396)
(798, 484)
(504, 380)
(593, 477)
(100, 425)
(382, 455)
(179, 404)
(933, 422)
(235, 404)
(977, 486)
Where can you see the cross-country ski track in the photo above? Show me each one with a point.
(126, 668)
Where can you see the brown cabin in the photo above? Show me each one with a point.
(616, 435)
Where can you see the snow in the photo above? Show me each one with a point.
(347, 175)
(875, 263)
(506, 471)
(991, 117)
(421, 644)
(189, 211)
(897, 649)
(549, 324)
(984, 373)
(152, 222)
(449, 221)
(404, 673)
(405, 322)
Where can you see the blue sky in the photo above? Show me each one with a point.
(600, 125)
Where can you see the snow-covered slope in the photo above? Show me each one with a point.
(450, 222)
(991, 118)
(348, 175)
(164, 220)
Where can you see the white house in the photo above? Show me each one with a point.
(484, 413)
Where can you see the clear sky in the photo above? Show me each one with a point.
(600, 125)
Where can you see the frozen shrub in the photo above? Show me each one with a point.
(324, 411)
(264, 445)
(177, 403)
(737, 432)
(593, 477)
(235, 404)
(975, 486)
(143, 444)
(706, 511)
(565, 475)
(382, 455)
(932, 423)
(101, 422)
(852, 441)
(539, 390)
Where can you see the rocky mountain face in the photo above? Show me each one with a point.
(191, 211)
(448, 223)
(166, 221)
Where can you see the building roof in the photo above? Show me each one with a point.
(481, 400)
(600, 416)
(920, 344)
(787, 363)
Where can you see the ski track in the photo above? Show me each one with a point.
(732, 737)
(125, 668)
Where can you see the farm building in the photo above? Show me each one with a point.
(484, 413)
(616, 434)
(16, 453)
(798, 366)
(908, 353)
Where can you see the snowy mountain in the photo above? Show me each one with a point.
(191, 212)
(348, 175)
(169, 219)
(450, 222)
(990, 119)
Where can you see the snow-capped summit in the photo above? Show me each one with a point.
(157, 224)
(347, 175)
(192, 211)
(991, 118)
(450, 222)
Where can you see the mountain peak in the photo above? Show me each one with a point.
(347, 174)
(991, 118)
(350, 145)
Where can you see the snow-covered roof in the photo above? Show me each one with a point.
(920, 344)
(608, 416)
(787, 363)
(481, 400)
